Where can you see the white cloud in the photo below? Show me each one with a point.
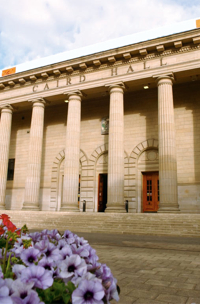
(37, 28)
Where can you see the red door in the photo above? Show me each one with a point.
(150, 191)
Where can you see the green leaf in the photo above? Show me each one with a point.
(2, 243)
(27, 243)
(70, 287)
(57, 293)
(66, 298)
(24, 229)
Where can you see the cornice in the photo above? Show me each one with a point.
(109, 80)
(44, 77)
(147, 50)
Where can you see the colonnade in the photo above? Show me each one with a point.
(115, 203)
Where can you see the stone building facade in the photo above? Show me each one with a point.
(122, 124)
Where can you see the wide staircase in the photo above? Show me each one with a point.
(187, 225)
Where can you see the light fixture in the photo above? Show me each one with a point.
(146, 87)
(66, 101)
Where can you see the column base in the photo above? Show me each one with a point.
(2, 208)
(28, 206)
(168, 209)
(69, 209)
(114, 209)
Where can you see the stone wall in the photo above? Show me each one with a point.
(140, 125)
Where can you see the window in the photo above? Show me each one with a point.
(11, 167)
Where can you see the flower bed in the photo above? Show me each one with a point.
(47, 267)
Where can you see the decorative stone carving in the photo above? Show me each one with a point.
(149, 156)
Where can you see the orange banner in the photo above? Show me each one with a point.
(198, 23)
(9, 71)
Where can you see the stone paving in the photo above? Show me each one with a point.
(150, 269)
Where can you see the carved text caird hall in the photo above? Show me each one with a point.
(122, 124)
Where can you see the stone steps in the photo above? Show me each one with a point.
(141, 224)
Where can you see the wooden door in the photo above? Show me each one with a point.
(150, 191)
(102, 192)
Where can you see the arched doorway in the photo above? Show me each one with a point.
(143, 160)
(99, 159)
(61, 188)
(148, 173)
(150, 191)
(102, 178)
(57, 179)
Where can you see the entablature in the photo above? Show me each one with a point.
(139, 52)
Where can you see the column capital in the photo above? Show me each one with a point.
(164, 79)
(74, 92)
(37, 100)
(117, 85)
(6, 108)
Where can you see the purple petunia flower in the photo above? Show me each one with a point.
(23, 293)
(73, 265)
(81, 250)
(66, 257)
(52, 252)
(42, 278)
(104, 272)
(9, 284)
(48, 265)
(69, 237)
(21, 290)
(19, 246)
(80, 241)
(87, 276)
(32, 298)
(4, 293)
(65, 252)
(111, 291)
(108, 281)
(30, 255)
(88, 292)
(42, 245)
(92, 258)
(61, 243)
(35, 236)
(17, 270)
(44, 232)
(54, 234)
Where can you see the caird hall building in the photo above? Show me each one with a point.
(105, 127)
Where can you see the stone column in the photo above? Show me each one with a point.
(72, 151)
(32, 185)
(5, 132)
(115, 202)
(167, 147)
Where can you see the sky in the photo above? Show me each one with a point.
(33, 29)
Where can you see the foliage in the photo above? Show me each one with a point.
(48, 267)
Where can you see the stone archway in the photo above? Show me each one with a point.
(143, 158)
(99, 163)
(55, 176)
